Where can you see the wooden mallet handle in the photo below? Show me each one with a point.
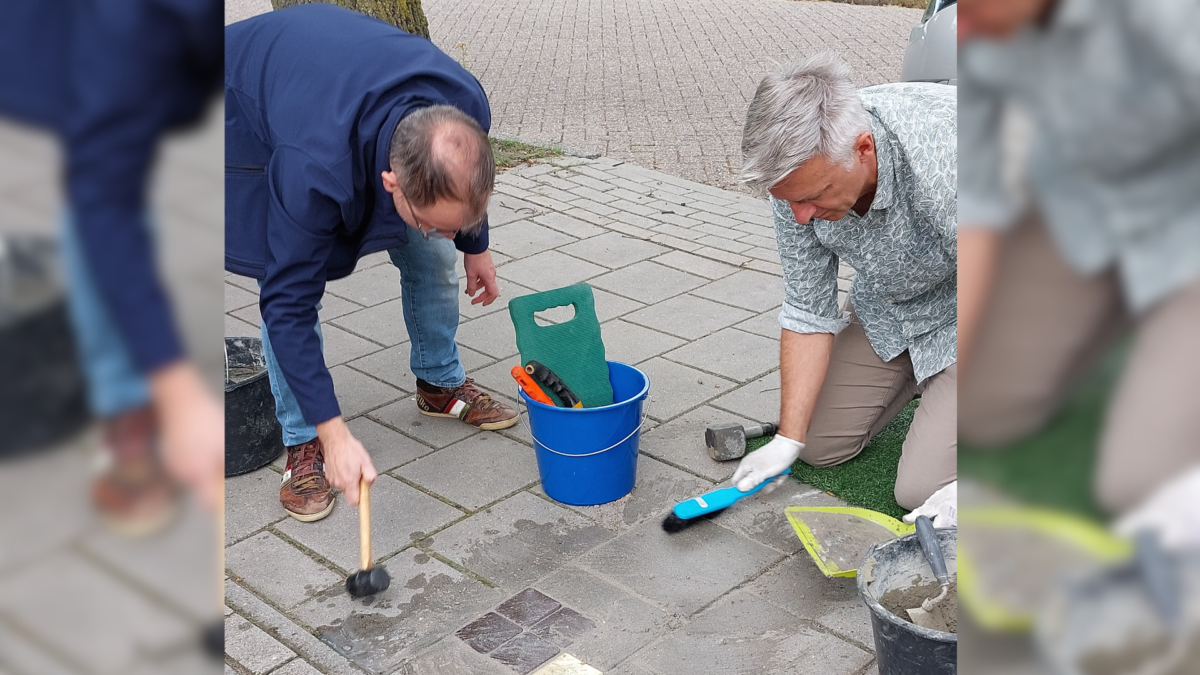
(364, 521)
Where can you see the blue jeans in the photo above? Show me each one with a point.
(429, 296)
(114, 383)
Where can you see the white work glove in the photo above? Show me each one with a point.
(766, 462)
(1172, 512)
(941, 507)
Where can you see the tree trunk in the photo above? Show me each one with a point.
(404, 14)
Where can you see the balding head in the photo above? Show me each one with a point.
(439, 153)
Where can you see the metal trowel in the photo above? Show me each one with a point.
(838, 537)
(929, 614)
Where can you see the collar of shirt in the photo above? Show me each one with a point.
(385, 206)
(885, 170)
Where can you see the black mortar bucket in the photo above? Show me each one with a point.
(42, 395)
(903, 648)
(253, 437)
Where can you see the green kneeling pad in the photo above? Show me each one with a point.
(573, 349)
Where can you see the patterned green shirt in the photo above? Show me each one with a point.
(904, 250)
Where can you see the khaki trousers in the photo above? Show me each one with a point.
(862, 393)
(1046, 326)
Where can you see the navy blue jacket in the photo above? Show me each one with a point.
(110, 76)
(312, 96)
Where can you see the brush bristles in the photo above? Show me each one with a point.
(673, 523)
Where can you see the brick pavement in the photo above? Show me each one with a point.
(488, 574)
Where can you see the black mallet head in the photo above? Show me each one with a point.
(368, 582)
(214, 639)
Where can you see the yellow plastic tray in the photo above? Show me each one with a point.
(813, 545)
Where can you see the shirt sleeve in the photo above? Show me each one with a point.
(301, 217)
(475, 243)
(983, 200)
(810, 277)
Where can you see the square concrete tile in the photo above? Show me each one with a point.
(743, 634)
(621, 623)
(630, 343)
(435, 431)
(390, 365)
(341, 346)
(798, 587)
(387, 448)
(251, 503)
(676, 388)
(525, 238)
(253, 649)
(399, 515)
(358, 393)
(525, 653)
(747, 289)
(277, 570)
(688, 316)
(681, 442)
(757, 400)
(613, 250)
(492, 335)
(549, 270)
(735, 354)
(519, 540)
(368, 287)
(648, 282)
(383, 323)
(426, 601)
(476, 471)
(684, 571)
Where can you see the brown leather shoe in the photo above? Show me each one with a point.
(467, 403)
(305, 493)
(134, 495)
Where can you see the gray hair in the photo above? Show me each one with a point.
(801, 111)
(439, 153)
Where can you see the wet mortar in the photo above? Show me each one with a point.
(899, 600)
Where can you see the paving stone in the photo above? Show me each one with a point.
(568, 225)
(681, 442)
(629, 343)
(508, 291)
(497, 380)
(503, 209)
(383, 323)
(566, 664)
(399, 515)
(253, 649)
(744, 634)
(754, 291)
(525, 238)
(237, 298)
(648, 282)
(723, 244)
(765, 324)
(549, 270)
(694, 264)
(757, 400)
(682, 572)
(525, 653)
(521, 539)
(492, 335)
(277, 570)
(331, 307)
(563, 627)
(528, 607)
(798, 587)
(434, 431)
(368, 287)
(390, 365)
(688, 316)
(721, 255)
(613, 250)
(609, 306)
(592, 212)
(676, 388)
(473, 360)
(251, 503)
(763, 519)
(426, 601)
(387, 448)
(358, 393)
(735, 354)
(297, 667)
(475, 471)
(452, 657)
(341, 346)
(488, 632)
(235, 327)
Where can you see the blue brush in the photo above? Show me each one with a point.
(686, 513)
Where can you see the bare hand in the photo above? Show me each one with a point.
(346, 460)
(193, 430)
(481, 275)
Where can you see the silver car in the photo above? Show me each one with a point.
(932, 54)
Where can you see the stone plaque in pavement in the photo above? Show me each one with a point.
(799, 587)
(754, 291)
(525, 652)
(399, 514)
(676, 388)
(528, 607)
(426, 601)
(563, 627)
(549, 270)
(476, 471)
(630, 343)
(436, 431)
(688, 316)
(488, 632)
(735, 354)
(614, 250)
(648, 282)
(744, 634)
(684, 571)
(519, 540)
(279, 571)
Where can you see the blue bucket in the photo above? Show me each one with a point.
(588, 456)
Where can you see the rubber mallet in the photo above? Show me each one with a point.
(368, 580)
(728, 441)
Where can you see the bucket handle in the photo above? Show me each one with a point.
(641, 423)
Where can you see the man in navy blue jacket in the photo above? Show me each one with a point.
(346, 136)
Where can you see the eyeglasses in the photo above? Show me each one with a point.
(426, 232)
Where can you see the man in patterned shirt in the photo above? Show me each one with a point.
(867, 178)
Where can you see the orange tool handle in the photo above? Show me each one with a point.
(529, 386)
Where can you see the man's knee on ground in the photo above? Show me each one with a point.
(910, 494)
(824, 451)
(989, 427)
